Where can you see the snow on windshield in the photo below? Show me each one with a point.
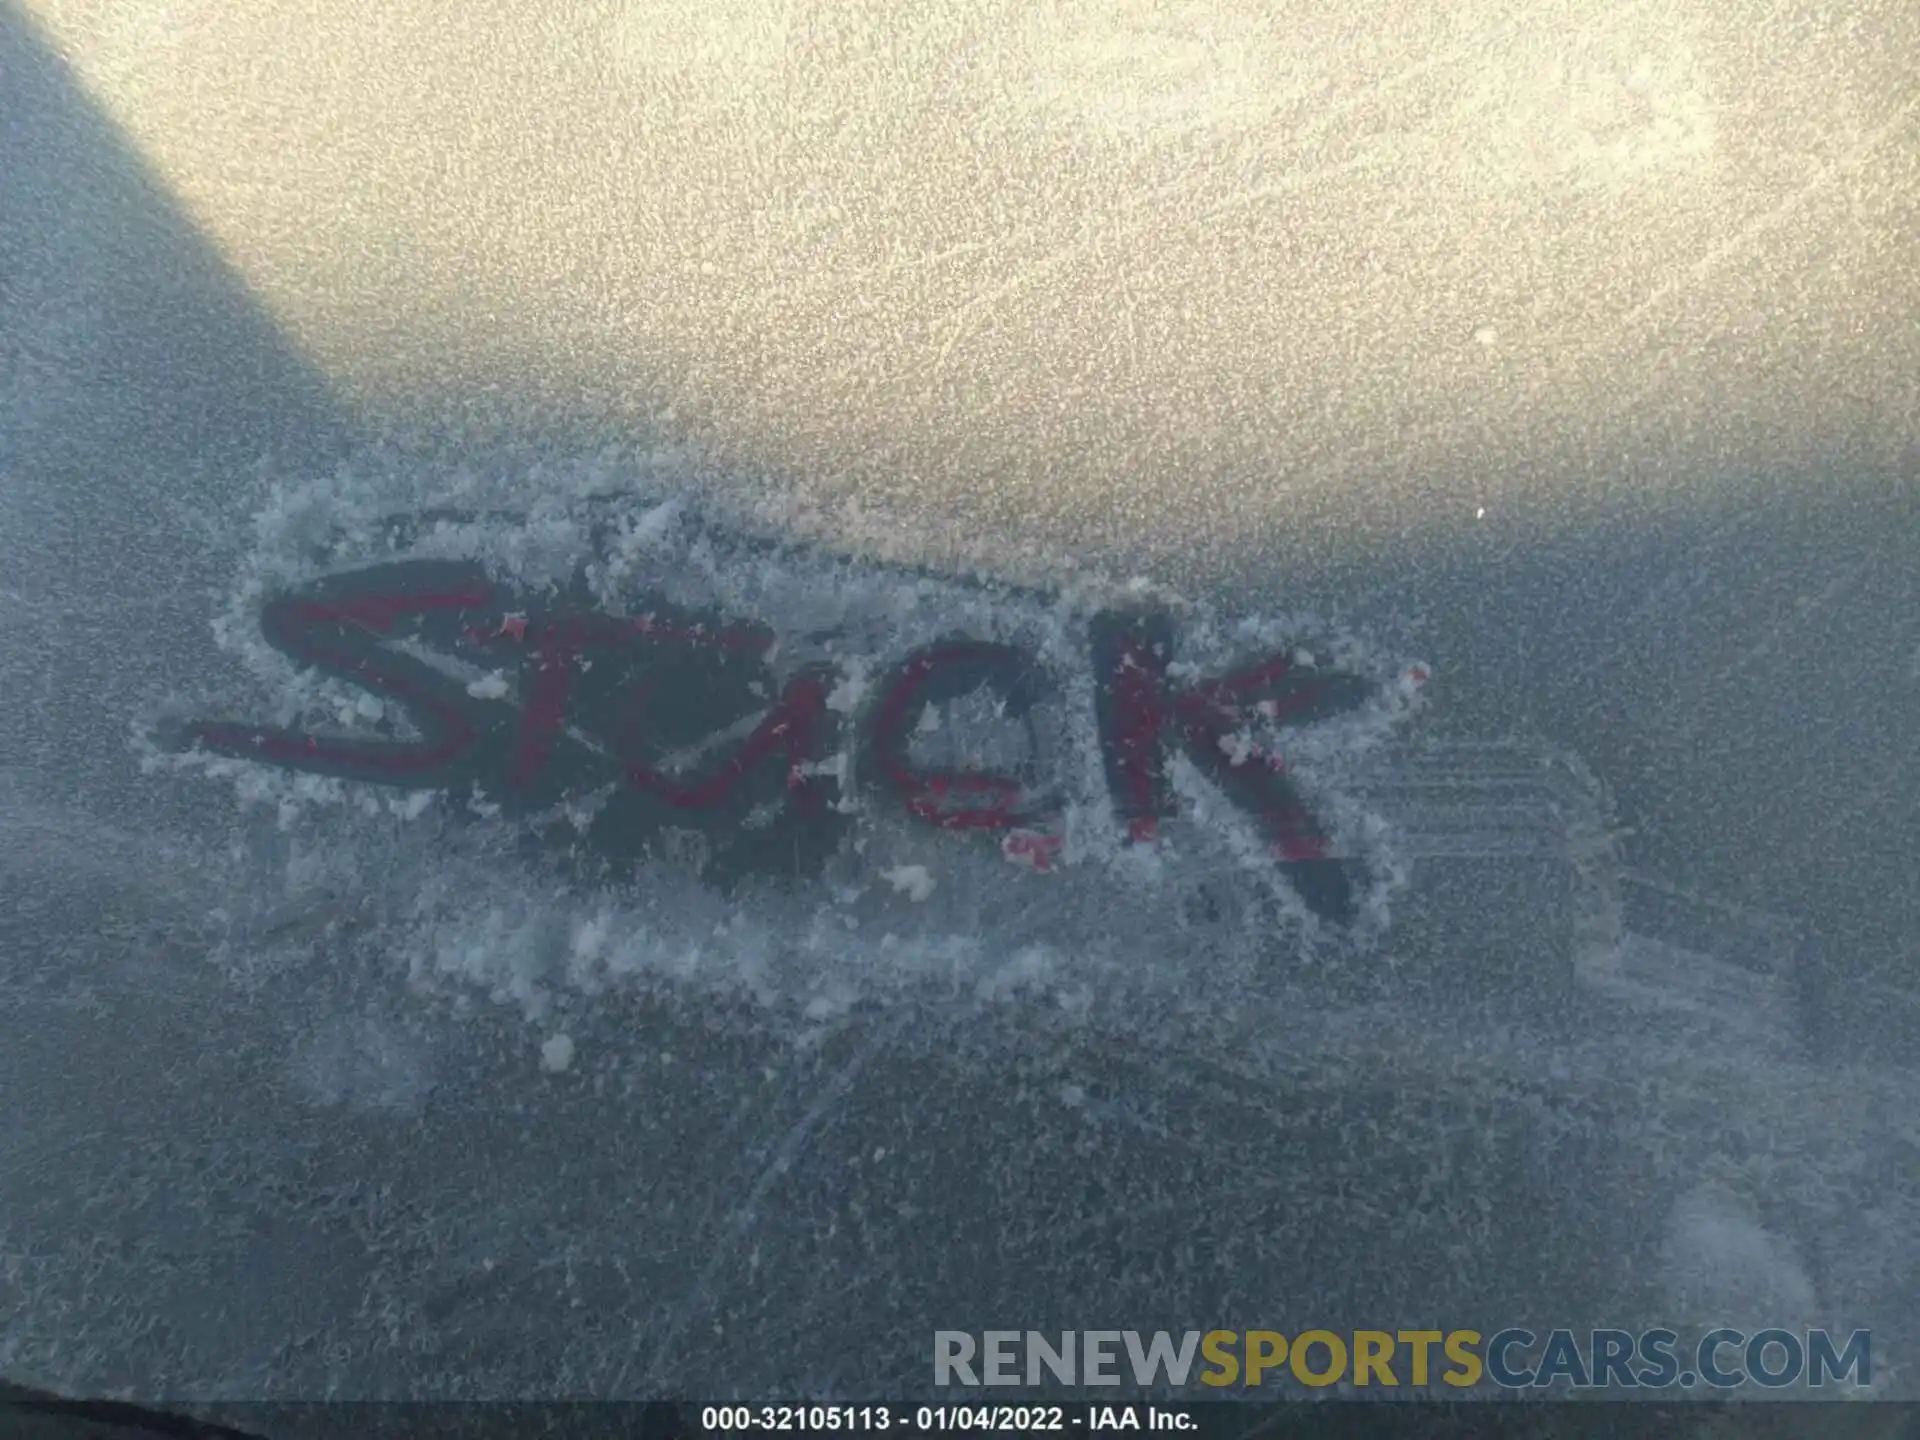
(689, 697)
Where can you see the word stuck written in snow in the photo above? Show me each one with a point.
(675, 720)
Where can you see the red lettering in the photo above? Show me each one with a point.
(1036, 849)
(336, 635)
(556, 649)
(1139, 712)
(952, 799)
(799, 725)
(1130, 657)
(346, 626)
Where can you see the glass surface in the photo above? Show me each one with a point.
(421, 425)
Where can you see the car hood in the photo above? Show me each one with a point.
(1571, 356)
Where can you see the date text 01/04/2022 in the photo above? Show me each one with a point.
(940, 1419)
